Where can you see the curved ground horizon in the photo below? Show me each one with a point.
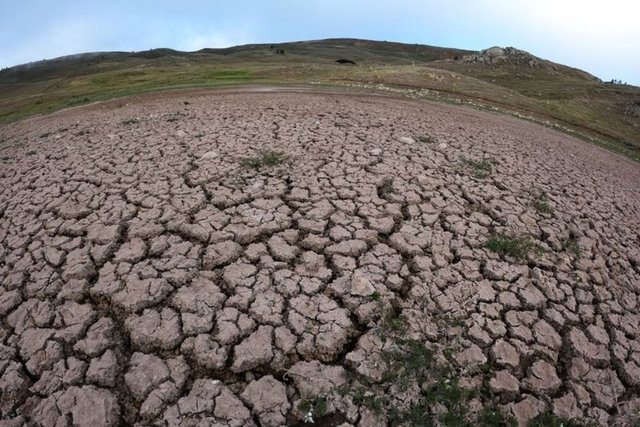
(280, 257)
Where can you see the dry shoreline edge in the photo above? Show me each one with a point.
(355, 88)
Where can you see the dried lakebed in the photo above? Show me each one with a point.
(277, 258)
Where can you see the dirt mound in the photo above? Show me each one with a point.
(279, 258)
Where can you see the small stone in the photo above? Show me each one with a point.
(209, 155)
(406, 140)
(361, 285)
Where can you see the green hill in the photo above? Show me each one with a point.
(506, 80)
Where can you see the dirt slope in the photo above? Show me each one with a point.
(265, 258)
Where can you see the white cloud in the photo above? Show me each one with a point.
(197, 41)
(58, 40)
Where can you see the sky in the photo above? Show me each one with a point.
(600, 37)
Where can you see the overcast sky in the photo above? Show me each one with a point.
(600, 37)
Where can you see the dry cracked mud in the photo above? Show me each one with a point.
(235, 258)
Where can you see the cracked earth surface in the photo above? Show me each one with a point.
(148, 277)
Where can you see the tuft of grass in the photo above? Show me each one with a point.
(542, 205)
(547, 419)
(77, 101)
(426, 139)
(494, 417)
(386, 187)
(265, 159)
(316, 406)
(376, 296)
(517, 247)
(478, 168)
(131, 121)
(392, 325)
(571, 244)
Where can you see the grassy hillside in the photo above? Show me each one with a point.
(517, 83)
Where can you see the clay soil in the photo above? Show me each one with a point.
(236, 258)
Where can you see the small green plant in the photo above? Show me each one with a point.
(542, 205)
(318, 406)
(267, 158)
(392, 325)
(547, 419)
(494, 417)
(313, 408)
(571, 244)
(517, 247)
(478, 168)
(386, 187)
(77, 101)
(426, 139)
(131, 121)
(376, 296)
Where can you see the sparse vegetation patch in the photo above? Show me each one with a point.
(542, 205)
(386, 187)
(478, 168)
(264, 159)
(313, 409)
(426, 139)
(517, 247)
(412, 367)
(571, 244)
(547, 419)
